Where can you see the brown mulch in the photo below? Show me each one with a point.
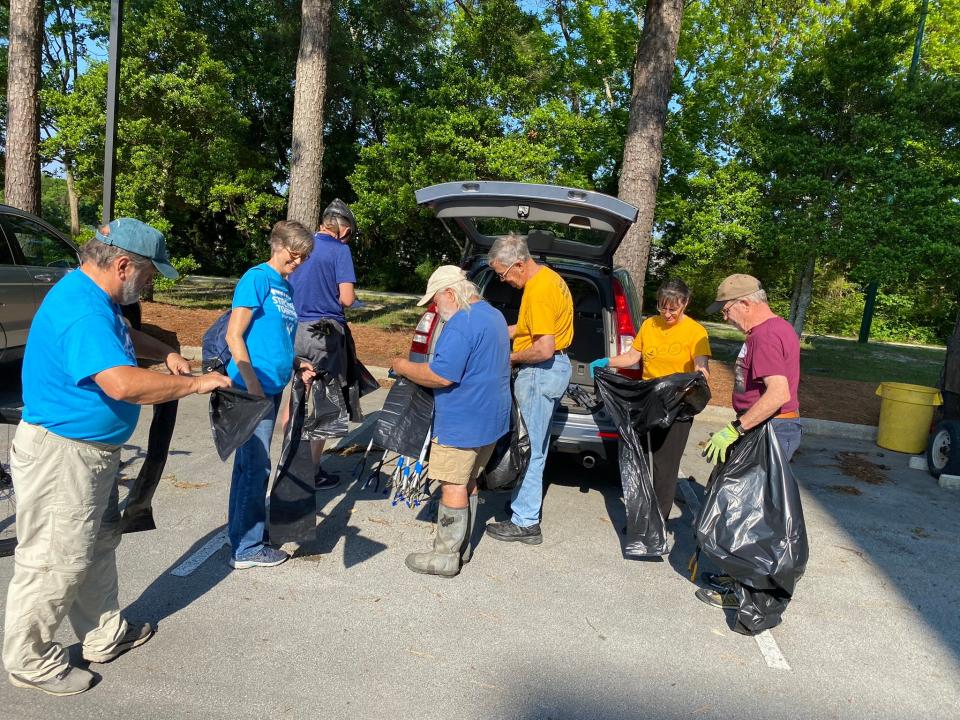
(855, 465)
(824, 398)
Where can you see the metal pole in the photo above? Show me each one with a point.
(113, 106)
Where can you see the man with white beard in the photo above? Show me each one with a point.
(82, 392)
(470, 377)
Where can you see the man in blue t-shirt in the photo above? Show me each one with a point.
(470, 376)
(323, 286)
(82, 392)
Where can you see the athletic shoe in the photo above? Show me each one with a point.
(324, 480)
(71, 681)
(135, 636)
(264, 557)
(717, 598)
(508, 532)
(721, 582)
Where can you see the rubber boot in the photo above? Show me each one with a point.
(466, 551)
(444, 559)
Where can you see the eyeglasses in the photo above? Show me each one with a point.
(503, 275)
(297, 257)
(726, 308)
(675, 310)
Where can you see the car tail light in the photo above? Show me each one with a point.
(423, 331)
(626, 332)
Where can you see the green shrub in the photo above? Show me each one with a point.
(183, 265)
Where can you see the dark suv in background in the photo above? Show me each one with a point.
(575, 232)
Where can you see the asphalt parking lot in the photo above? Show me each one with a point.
(567, 629)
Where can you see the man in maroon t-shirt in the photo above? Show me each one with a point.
(767, 369)
(765, 388)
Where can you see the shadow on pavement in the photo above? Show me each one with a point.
(169, 594)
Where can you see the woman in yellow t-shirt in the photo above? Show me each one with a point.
(668, 343)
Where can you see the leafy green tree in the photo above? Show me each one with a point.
(182, 163)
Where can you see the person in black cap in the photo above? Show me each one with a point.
(322, 288)
(82, 392)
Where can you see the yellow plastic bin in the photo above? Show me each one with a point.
(906, 412)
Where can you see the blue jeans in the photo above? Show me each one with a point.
(788, 432)
(538, 389)
(247, 507)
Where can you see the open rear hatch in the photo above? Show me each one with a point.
(556, 221)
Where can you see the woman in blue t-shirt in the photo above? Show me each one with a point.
(260, 335)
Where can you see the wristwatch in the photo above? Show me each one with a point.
(737, 426)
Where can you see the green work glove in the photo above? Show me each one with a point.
(716, 449)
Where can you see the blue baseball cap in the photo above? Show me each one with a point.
(140, 238)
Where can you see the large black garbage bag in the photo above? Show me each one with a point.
(405, 420)
(326, 414)
(138, 512)
(752, 527)
(234, 415)
(293, 503)
(510, 458)
(638, 406)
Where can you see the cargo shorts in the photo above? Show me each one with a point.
(457, 466)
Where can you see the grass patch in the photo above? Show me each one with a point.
(387, 312)
(846, 359)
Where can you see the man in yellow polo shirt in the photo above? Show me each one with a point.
(543, 332)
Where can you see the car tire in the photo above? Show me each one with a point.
(943, 449)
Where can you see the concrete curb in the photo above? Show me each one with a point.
(813, 426)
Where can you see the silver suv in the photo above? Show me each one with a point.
(575, 232)
(33, 256)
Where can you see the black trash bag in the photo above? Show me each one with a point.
(138, 512)
(293, 503)
(759, 609)
(326, 414)
(234, 415)
(638, 406)
(405, 420)
(508, 463)
(751, 526)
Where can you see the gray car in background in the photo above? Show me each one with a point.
(575, 232)
(33, 256)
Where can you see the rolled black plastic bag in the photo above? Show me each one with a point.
(510, 457)
(751, 526)
(638, 406)
(405, 420)
(234, 415)
(293, 503)
(138, 512)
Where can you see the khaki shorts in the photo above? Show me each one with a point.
(457, 465)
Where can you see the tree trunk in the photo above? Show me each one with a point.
(806, 294)
(306, 153)
(72, 200)
(640, 175)
(22, 181)
(795, 295)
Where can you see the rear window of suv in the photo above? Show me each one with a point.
(495, 227)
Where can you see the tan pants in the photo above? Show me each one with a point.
(66, 566)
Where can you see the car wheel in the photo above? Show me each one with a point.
(943, 449)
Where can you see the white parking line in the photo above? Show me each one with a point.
(209, 548)
(765, 641)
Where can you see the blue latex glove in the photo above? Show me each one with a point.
(596, 364)
(716, 449)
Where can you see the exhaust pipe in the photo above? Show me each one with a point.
(588, 461)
